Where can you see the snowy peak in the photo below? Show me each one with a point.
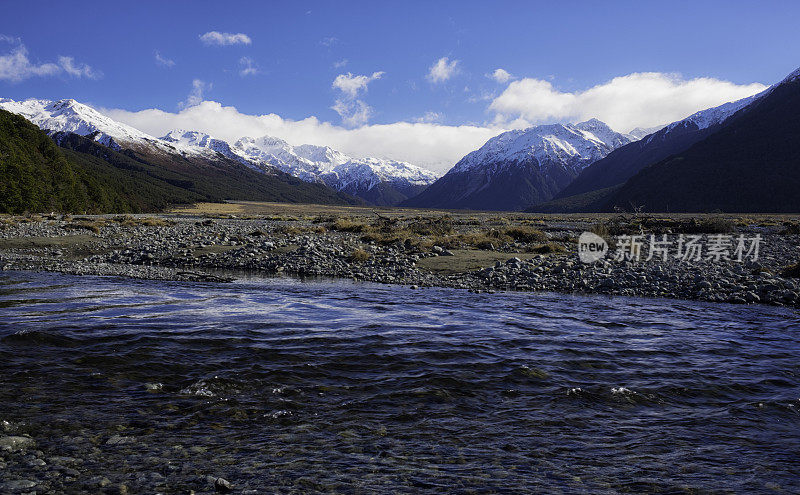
(716, 115)
(791, 77)
(321, 154)
(70, 116)
(640, 132)
(322, 163)
(585, 142)
(601, 132)
(198, 142)
(713, 116)
(308, 162)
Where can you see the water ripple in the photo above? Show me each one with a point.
(338, 386)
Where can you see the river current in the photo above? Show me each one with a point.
(283, 385)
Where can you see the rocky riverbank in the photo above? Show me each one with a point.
(500, 253)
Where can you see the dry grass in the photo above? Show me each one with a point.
(348, 225)
(84, 225)
(426, 233)
(548, 248)
(526, 234)
(464, 260)
(130, 221)
(7, 222)
(650, 224)
(359, 256)
(431, 226)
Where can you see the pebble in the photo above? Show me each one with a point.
(17, 486)
(16, 443)
(183, 252)
(222, 485)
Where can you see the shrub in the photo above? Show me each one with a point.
(359, 256)
(383, 238)
(550, 247)
(92, 226)
(716, 225)
(432, 226)
(526, 234)
(348, 225)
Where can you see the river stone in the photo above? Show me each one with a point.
(222, 485)
(15, 443)
(118, 439)
(16, 486)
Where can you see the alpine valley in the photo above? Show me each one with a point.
(203, 168)
(739, 156)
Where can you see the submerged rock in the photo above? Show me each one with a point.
(15, 443)
(221, 485)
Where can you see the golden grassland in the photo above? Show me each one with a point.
(289, 212)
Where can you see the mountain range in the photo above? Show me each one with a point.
(740, 156)
(376, 181)
(108, 166)
(651, 174)
(520, 168)
(750, 163)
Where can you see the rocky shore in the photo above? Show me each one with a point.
(501, 253)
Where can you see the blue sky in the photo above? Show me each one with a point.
(553, 53)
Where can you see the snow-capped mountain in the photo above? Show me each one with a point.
(570, 144)
(379, 181)
(522, 167)
(627, 161)
(69, 116)
(747, 163)
(640, 132)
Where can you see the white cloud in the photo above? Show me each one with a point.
(644, 99)
(78, 70)
(196, 94)
(501, 75)
(163, 61)
(225, 39)
(353, 111)
(430, 116)
(351, 85)
(434, 146)
(340, 63)
(442, 70)
(248, 67)
(15, 66)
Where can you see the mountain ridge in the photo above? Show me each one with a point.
(380, 181)
(624, 162)
(394, 180)
(521, 167)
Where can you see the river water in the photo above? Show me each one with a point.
(290, 386)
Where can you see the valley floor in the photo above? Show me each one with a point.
(477, 251)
